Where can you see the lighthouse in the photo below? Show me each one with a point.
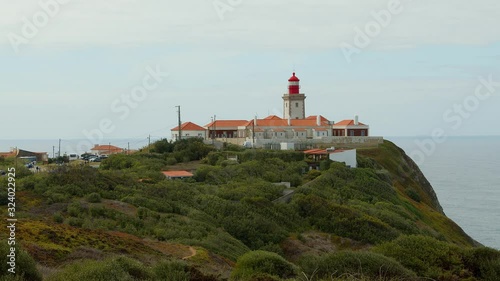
(294, 106)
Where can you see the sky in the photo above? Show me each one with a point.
(77, 69)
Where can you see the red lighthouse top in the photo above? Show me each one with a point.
(293, 85)
(293, 78)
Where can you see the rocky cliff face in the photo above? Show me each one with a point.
(397, 168)
(402, 171)
(418, 177)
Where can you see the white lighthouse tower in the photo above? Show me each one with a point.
(294, 105)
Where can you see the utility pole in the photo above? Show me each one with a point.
(212, 135)
(179, 121)
(53, 151)
(128, 148)
(59, 153)
(253, 132)
(149, 143)
(109, 149)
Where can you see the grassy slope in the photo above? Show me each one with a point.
(198, 209)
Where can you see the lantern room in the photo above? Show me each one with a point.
(293, 85)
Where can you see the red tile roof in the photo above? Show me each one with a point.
(271, 121)
(226, 123)
(284, 123)
(348, 122)
(273, 117)
(314, 117)
(111, 148)
(177, 174)
(323, 151)
(316, 152)
(338, 150)
(8, 154)
(189, 126)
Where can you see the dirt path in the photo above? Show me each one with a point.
(193, 253)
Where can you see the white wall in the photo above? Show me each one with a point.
(189, 134)
(287, 146)
(348, 156)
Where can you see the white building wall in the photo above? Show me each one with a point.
(348, 156)
(189, 134)
(287, 146)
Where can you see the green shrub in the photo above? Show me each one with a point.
(134, 268)
(356, 264)
(25, 266)
(117, 269)
(413, 194)
(312, 174)
(94, 198)
(257, 263)
(57, 217)
(75, 209)
(56, 198)
(171, 161)
(171, 270)
(97, 212)
(325, 164)
(426, 256)
(76, 222)
(483, 263)
(119, 162)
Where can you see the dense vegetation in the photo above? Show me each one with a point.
(124, 221)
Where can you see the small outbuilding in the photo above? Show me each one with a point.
(348, 156)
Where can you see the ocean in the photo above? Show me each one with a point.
(464, 171)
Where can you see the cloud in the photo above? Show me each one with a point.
(292, 24)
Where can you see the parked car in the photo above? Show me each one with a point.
(87, 156)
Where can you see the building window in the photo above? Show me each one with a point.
(296, 104)
(352, 133)
(363, 133)
(286, 104)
